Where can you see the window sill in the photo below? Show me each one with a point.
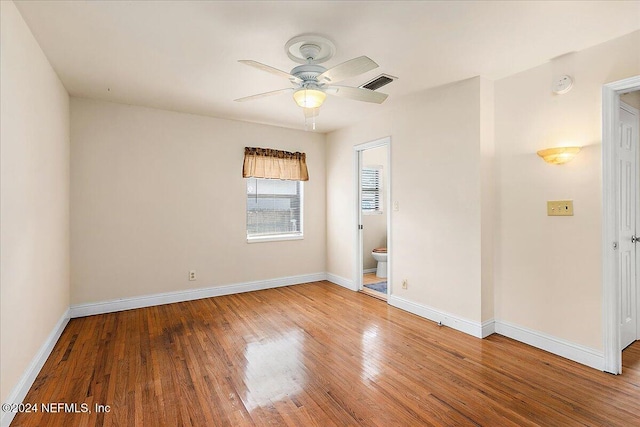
(275, 238)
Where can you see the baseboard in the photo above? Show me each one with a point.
(19, 392)
(90, 309)
(568, 350)
(345, 283)
(488, 328)
(455, 322)
(369, 270)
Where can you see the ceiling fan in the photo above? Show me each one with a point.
(312, 82)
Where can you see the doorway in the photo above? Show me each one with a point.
(373, 218)
(621, 210)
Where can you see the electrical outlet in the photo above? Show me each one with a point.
(405, 284)
(192, 275)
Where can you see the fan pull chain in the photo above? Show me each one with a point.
(313, 120)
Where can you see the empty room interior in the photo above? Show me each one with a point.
(319, 213)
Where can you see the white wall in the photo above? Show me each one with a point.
(34, 198)
(375, 226)
(436, 180)
(436, 168)
(548, 269)
(156, 193)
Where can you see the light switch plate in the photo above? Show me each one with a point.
(560, 208)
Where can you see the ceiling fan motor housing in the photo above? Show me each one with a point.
(308, 72)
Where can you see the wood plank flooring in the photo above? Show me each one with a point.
(370, 279)
(315, 355)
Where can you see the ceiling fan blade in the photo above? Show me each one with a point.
(310, 113)
(265, 94)
(359, 94)
(351, 68)
(264, 67)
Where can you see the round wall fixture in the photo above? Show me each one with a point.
(310, 49)
(562, 85)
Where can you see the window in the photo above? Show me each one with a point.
(371, 190)
(274, 209)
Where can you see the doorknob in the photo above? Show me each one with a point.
(634, 239)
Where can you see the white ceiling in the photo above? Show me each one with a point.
(182, 56)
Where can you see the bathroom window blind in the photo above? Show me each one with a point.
(371, 189)
(274, 209)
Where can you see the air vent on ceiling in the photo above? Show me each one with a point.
(378, 82)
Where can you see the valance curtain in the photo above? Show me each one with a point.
(269, 163)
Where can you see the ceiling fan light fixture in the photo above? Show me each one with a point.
(309, 98)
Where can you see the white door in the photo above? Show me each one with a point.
(627, 151)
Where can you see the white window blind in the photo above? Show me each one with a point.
(274, 208)
(371, 189)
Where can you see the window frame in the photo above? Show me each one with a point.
(297, 235)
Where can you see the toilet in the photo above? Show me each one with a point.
(380, 255)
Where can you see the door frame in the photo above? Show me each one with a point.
(610, 286)
(357, 217)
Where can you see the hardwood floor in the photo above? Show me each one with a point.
(370, 279)
(315, 355)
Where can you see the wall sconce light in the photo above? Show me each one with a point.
(560, 155)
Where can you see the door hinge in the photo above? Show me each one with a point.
(360, 227)
(634, 239)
